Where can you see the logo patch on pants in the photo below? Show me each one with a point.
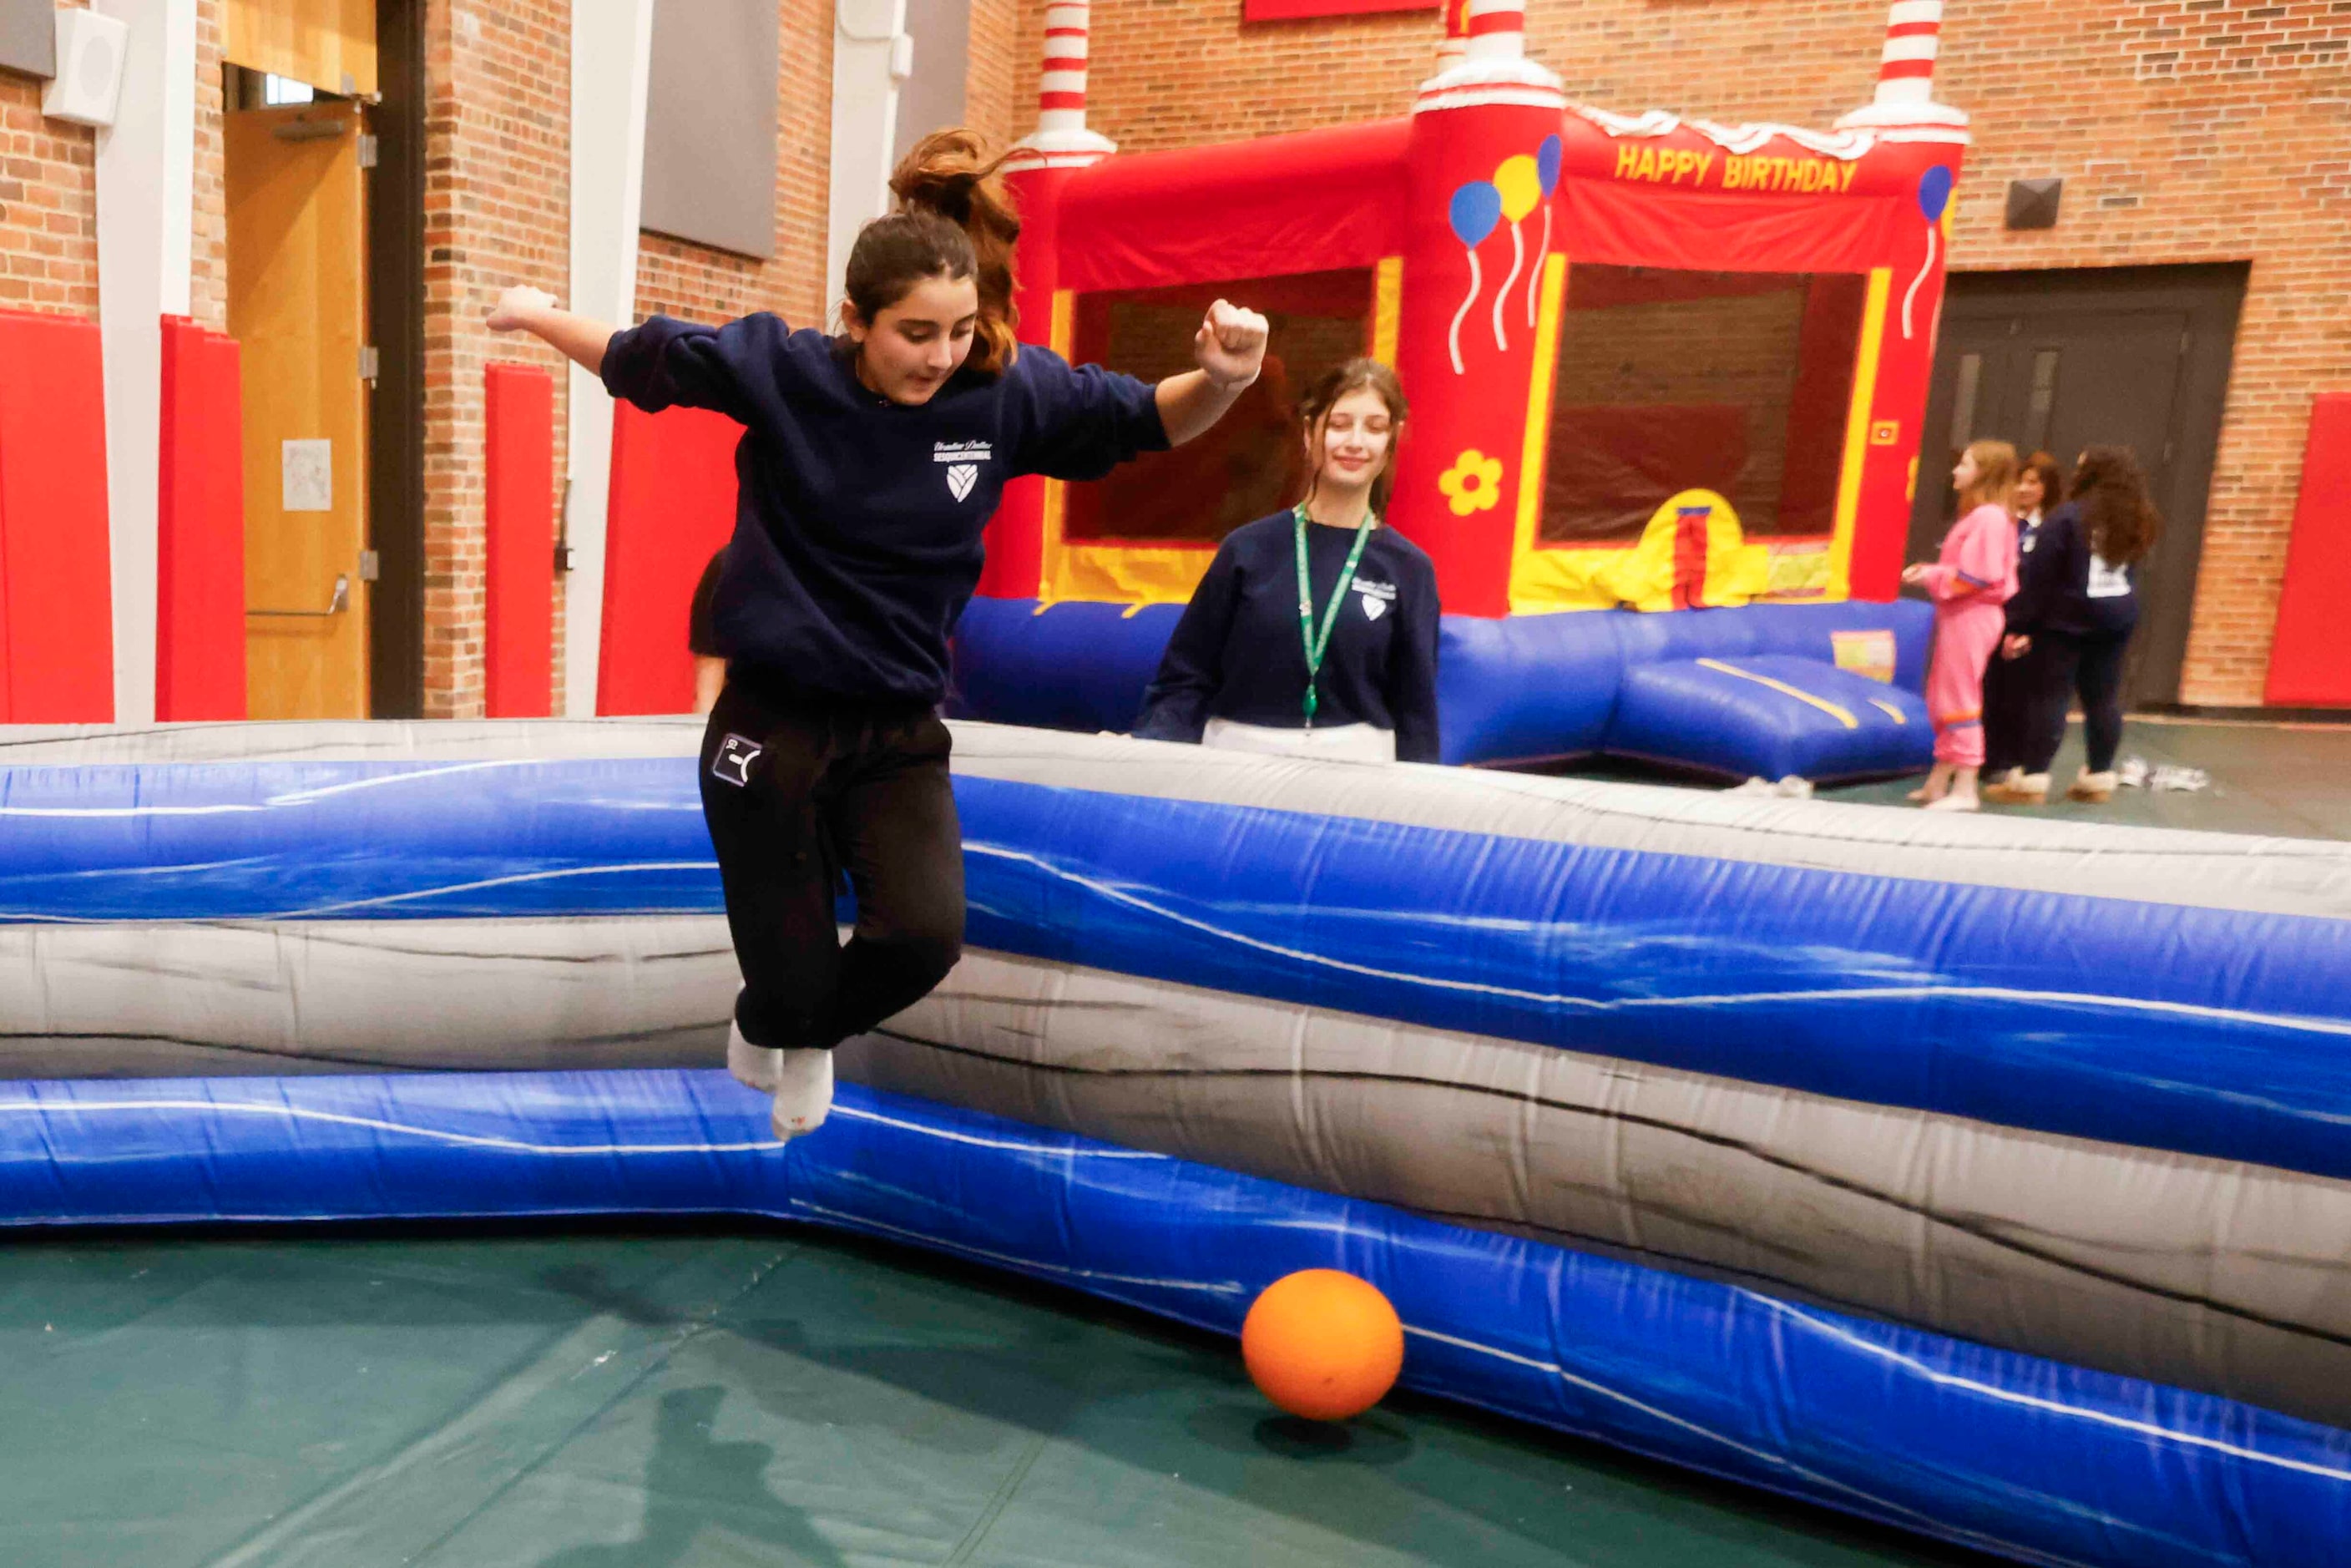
(733, 763)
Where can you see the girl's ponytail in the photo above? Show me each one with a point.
(948, 174)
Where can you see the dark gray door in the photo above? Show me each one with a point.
(2135, 357)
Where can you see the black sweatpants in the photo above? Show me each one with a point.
(796, 794)
(2010, 687)
(2092, 668)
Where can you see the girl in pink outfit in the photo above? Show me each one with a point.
(1975, 575)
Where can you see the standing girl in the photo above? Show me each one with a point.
(868, 465)
(2078, 621)
(1316, 629)
(2011, 679)
(1972, 577)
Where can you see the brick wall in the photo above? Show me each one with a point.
(497, 212)
(208, 235)
(48, 207)
(2187, 130)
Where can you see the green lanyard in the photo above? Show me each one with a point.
(1317, 645)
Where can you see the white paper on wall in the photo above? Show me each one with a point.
(306, 476)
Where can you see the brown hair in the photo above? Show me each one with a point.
(1324, 395)
(954, 219)
(2043, 466)
(1995, 476)
(2117, 515)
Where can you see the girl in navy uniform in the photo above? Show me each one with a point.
(2009, 679)
(868, 465)
(2077, 621)
(1316, 629)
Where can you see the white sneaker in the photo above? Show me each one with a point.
(803, 1092)
(754, 1066)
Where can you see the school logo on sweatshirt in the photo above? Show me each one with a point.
(963, 459)
(1377, 597)
(733, 763)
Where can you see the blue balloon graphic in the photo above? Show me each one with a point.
(1547, 163)
(1477, 208)
(1935, 192)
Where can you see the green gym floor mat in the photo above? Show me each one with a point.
(615, 1397)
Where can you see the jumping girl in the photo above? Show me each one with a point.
(1316, 629)
(1973, 576)
(868, 465)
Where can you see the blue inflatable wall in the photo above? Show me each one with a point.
(2061, 998)
(1738, 692)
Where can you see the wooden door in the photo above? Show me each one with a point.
(297, 306)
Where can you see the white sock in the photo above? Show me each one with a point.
(803, 1092)
(754, 1066)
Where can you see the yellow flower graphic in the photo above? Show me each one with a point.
(1474, 483)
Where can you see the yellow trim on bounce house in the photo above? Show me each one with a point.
(1843, 715)
(1544, 580)
(1857, 433)
(1387, 308)
(1137, 575)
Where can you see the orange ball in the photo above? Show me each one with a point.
(1322, 1345)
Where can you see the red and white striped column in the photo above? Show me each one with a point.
(1455, 42)
(1905, 70)
(1496, 29)
(1061, 89)
(1061, 137)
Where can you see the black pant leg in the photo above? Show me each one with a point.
(2054, 657)
(892, 818)
(2099, 680)
(760, 771)
(2003, 694)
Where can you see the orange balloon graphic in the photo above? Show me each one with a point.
(1322, 1345)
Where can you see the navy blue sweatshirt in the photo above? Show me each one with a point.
(857, 533)
(1237, 653)
(2062, 587)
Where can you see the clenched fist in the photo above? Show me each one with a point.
(1229, 348)
(518, 308)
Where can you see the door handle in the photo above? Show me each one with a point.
(335, 606)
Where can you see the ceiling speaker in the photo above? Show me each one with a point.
(87, 87)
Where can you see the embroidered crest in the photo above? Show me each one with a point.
(1374, 607)
(961, 477)
(732, 765)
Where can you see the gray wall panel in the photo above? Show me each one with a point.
(29, 41)
(710, 124)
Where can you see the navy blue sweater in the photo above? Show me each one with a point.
(1237, 653)
(2064, 588)
(857, 533)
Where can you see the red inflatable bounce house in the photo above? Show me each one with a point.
(1656, 364)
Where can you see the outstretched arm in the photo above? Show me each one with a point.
(1230, 348)
(578, 338)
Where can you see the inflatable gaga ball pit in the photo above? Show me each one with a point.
(1322, 1343)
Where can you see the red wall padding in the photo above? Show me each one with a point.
(200, 528)
(519, 646)
(673, 504)
(57, 623)
(2310, 659)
